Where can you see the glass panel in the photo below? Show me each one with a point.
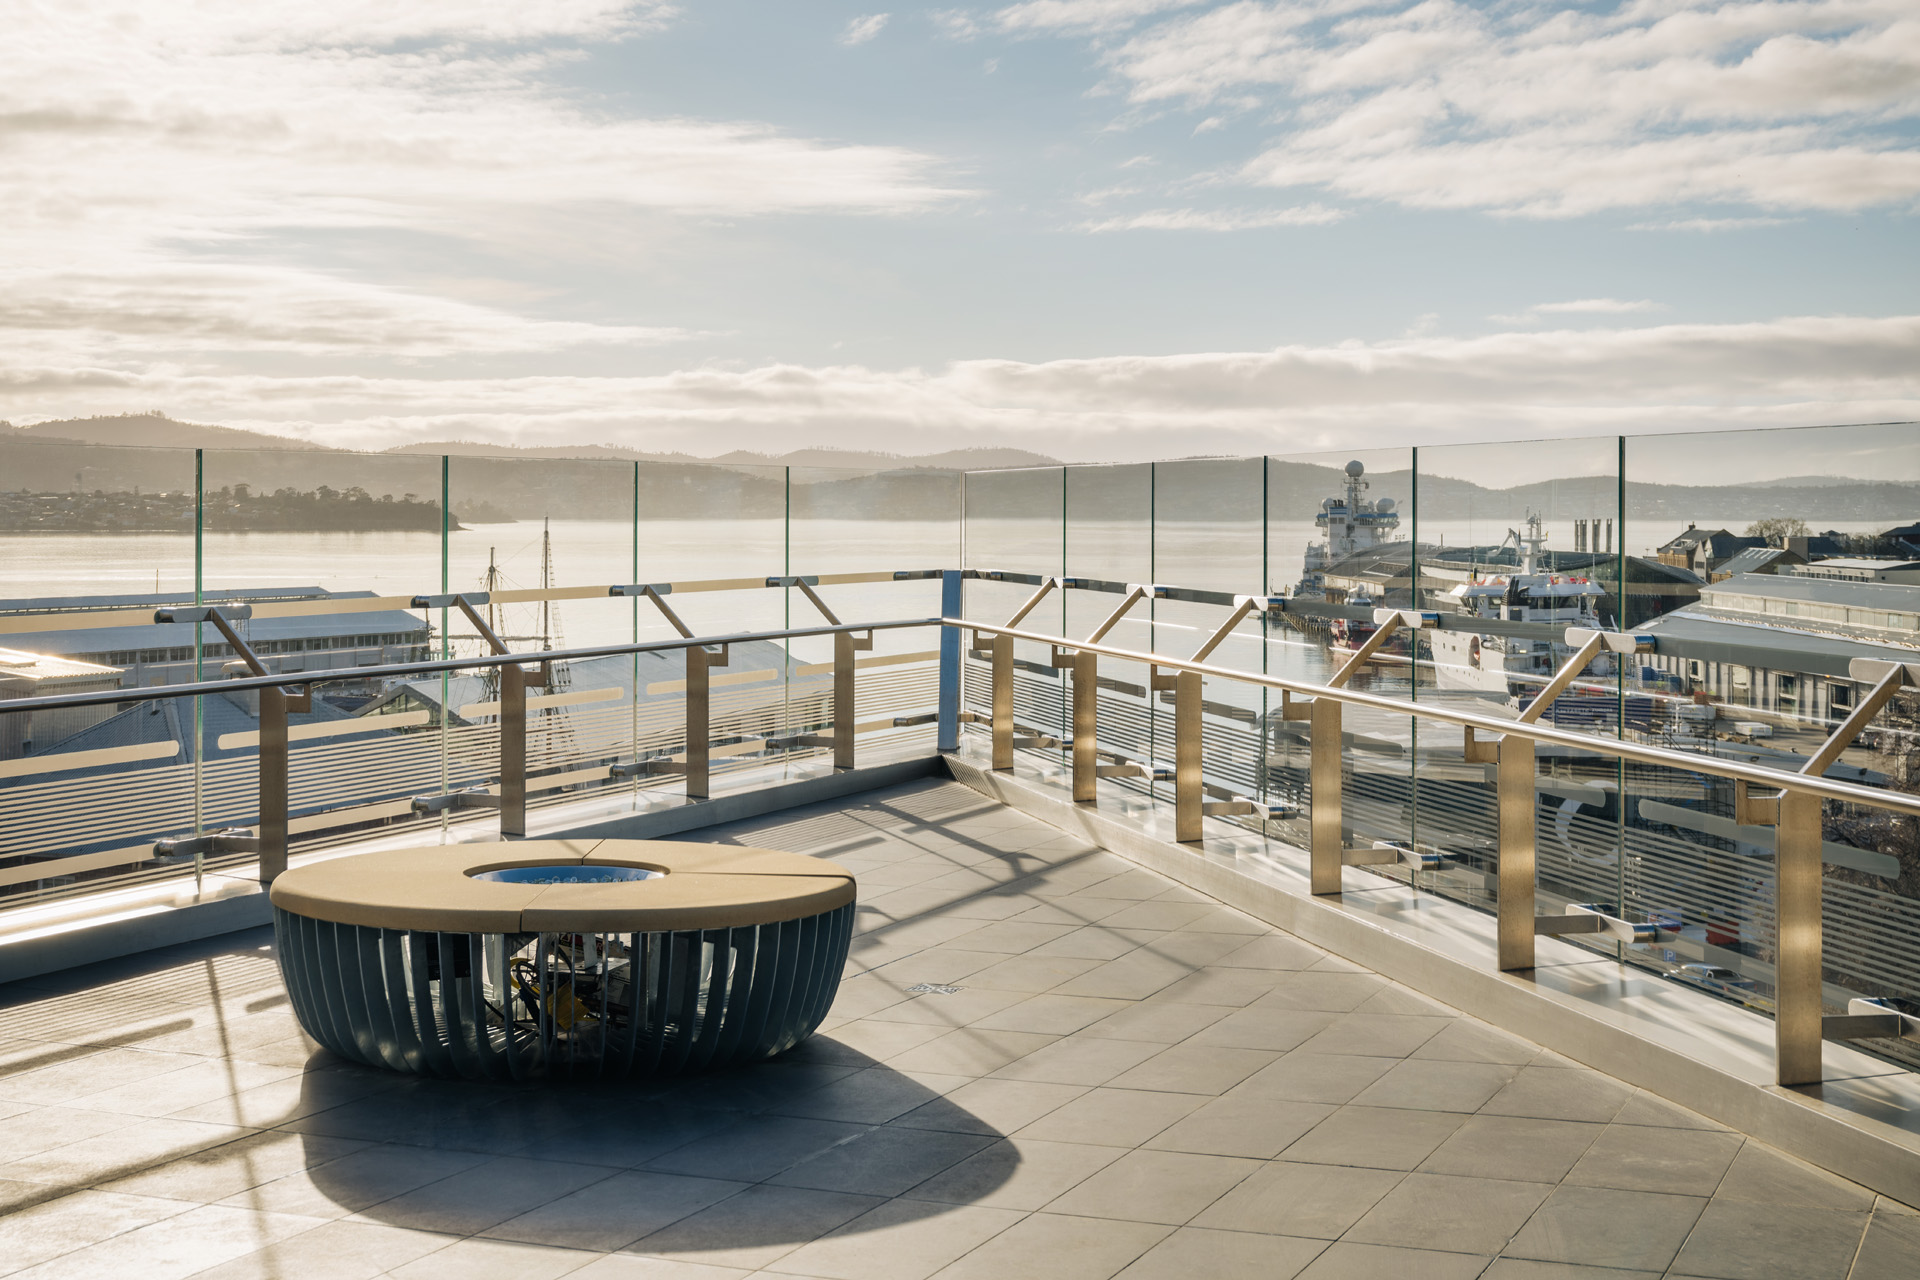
(877, 523)
(1785, 569)
(1110, 540)
(1015, 523)
(95, 539)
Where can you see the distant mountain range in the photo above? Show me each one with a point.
(574, 480)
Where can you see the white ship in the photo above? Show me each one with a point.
(1352, 523)
(1512, 666)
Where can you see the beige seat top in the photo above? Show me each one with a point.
(706, 886)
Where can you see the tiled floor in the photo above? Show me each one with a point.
(1125, 1080)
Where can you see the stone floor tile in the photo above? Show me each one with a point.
(1192, 1252)
(1375, 1137)
(1375, 1035)
(758, 1226)
(494, 1260)
(1194, 1068)
(1657, 1113)
(627, 1266)
(1241, 1125)
(190, 1087)
(615, 1211)
(1629, 1158)
(1452, 1214)
(960, 1008)
(119, 1152)
(901, 1240)
(1049, 1246)
(1090, 942)
(1320, 989)
(1436, 1085)
(1558, 1093)
(991, 1106)
(1200, 950)
(1344, 1261)
(871, 1096)
(332, 1251)
(882, 1162)
(1031, 973)
(755, 1148)
(1738, 1241)
(1133, 976)
(943, 965)
(1158, 1022)
(1273, 951)
(1080, 1059)
(1259, 1028)
(1224, 919)
(1017, 1173)
(1513, 1147)
(1594, 1226)
(871, 1040)
(1761, 1175)
(74, 1221)
(1155, 1186)
(1113, 1117)
(1887, 1253)
(104, 1073)
(1470, 1040)
(1012, 938)
(355, 1181)
(1529, 1269)
(175, 1247)
(1054, 1015)
(233, 1167)
(1235, 988)
(1315, 1077)
(625, 1137)
(1318, 1201)
(485, 1195)
(971, 1052)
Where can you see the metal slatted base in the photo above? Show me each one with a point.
(490, 1006)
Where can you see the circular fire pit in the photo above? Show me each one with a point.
(588, 958)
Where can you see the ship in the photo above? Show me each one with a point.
(1352, 523)
(1514, 667)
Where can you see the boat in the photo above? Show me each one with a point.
(1352, 523)
(1514, 667)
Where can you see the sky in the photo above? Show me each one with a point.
(1097, 229)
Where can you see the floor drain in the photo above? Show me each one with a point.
(931, 989)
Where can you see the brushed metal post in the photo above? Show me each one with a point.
(699, 732)
(273, 783)
(1188, 798)
(1003, 702)
(1086, 726)
(948, 730)
(1326, 822)
(1797, 1012)
(843, 700)
(513, 750)
(1514, 884)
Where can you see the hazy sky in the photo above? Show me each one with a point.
(1094, 228)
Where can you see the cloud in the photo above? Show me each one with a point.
(1417, 389)
(1600, 306)
(172, 168)
(1710, 224)
(1554, 112)
(1081, 15)
(1312, 215)
(861, 30)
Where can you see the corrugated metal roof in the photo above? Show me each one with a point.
(1757, 644)
(1892, 596)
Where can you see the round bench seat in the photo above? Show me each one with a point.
(563, 957)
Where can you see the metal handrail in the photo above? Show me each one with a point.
(240, 684)
(1733, 770)
(1800, 1020)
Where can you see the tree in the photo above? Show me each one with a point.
(1779, 527)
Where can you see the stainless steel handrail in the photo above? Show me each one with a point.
(1800, 1020)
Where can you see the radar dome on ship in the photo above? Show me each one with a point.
(1383, 506)
(1356, 468)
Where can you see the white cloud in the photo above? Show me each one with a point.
(1595, 306)
(861, 30)
(1553, 112)
(1081, 15)
(1312, 215)
(168, 164)
(1710, 224)
(1419, 389)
